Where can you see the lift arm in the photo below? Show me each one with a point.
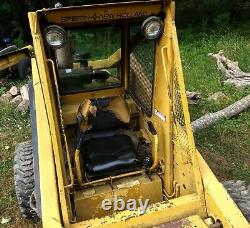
(14, 57)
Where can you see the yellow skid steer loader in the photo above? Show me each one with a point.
(112, 144)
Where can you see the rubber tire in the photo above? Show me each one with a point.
(24, 68)
(24, 179)
(240, 193)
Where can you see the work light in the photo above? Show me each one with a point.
(152, 27)
(55, 36)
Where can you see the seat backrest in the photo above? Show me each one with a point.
(103, 114)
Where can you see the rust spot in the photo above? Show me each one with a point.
(175, 224)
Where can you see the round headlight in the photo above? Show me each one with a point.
(152, 27)
(55, 36)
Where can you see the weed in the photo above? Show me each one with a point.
(14, 128)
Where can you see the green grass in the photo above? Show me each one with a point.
(225, 145)
(14, 128)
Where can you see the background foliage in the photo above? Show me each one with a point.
(200, 13)
(211, 12)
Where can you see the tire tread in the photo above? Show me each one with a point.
(24, 179)
(240, 193)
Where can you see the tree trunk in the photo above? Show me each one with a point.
(231, 70)
(227, 112)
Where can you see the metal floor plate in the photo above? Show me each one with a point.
(189, 222)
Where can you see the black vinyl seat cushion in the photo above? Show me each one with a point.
(109, 156)
(104, 120)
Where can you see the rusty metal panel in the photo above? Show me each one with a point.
(78, 16)
(189, 222)
(88, 202)
(156, 214)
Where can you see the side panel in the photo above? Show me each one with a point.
(219, 204)
(171, 117)
(48, 95)
(48, 185)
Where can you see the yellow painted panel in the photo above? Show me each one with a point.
(50, 110)
(218, 202)
(88, 202)
(14, 57)
(158, 213)
(78, 16)
(79, 97)
(111, 61)
(48, 186)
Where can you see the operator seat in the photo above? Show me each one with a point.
(105, 151)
